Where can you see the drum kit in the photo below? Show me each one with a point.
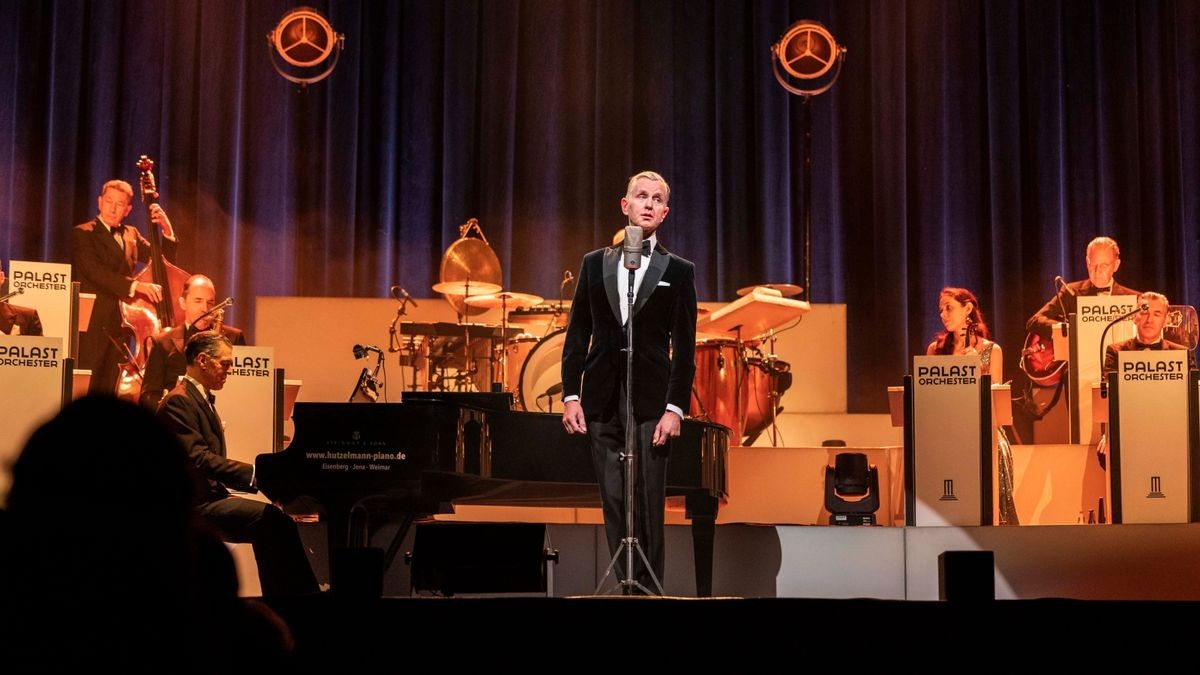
(520, 355)
(737, 384)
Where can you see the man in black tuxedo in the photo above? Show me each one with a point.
(166, 362)
(1150, 323)
(24, 320)
(594, 360)
(1103, 259)
(189, 411)
(104, 254)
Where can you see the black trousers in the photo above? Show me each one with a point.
(608, 442)
(283, 567)
(98, 354)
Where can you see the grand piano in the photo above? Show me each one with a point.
(362, 463)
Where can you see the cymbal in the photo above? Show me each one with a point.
(461, 287)
(504, 299)
(469, 258)
(786, 290)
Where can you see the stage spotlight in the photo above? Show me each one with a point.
(852, 477)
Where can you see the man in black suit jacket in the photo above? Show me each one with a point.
(593, 369)
(189, 411)
(1150, 323)
(24, 319)
(1103, 259)
(104, 254)
(166, 361)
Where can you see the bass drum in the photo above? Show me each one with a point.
(516, 351)
(541, 375)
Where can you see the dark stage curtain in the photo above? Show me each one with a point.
(967, 143)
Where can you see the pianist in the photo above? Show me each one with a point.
(189, 411)
(593, 369)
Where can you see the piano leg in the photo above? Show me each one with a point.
(702, 510)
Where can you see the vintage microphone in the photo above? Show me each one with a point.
(1104, 376)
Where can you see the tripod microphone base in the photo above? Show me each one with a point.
(629, 585)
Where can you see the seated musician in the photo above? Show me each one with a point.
(16, 320)
(966, 332)
(166, 362)
(189, 411)
(1149, 322)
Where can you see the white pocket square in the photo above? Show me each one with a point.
(664, 283)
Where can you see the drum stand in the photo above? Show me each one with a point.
(629, 584)
(773, 394)
(465, 381)
(396, 344)
(503, 343)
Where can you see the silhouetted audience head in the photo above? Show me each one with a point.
(104, 559)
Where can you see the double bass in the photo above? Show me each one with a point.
(141, 318)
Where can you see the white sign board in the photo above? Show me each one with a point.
(45, 287)
(247, 403)
(947, 458)
(31, 369)
(1092, 316)
(1151, 467)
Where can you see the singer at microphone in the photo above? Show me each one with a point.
(594, 365)
(1103, 258)
(1150, 317)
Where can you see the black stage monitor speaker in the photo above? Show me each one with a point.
(450, 558)
(966, 575)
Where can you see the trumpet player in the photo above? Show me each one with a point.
(166, 362)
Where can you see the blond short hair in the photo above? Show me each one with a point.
(120, 186)
(648, 175)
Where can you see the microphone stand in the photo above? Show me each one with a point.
(1119, 319)
(629, 457)
(396, 342)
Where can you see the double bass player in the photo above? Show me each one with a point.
(105, 252)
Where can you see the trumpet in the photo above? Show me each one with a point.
(217, 313)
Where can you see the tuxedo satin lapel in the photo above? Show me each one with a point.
(654, 274)
(612, 263)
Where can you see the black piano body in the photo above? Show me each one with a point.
(409, 460)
